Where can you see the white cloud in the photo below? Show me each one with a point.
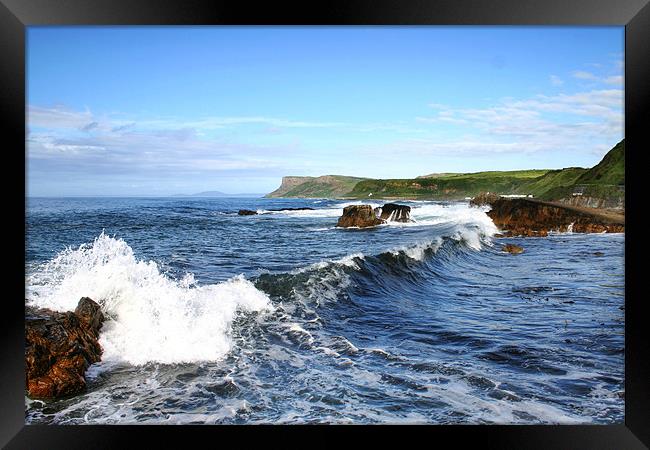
(582, 75)
(72, 141)
(616, 79)
(79, 142)
(582, 121)
(57, 117)
(556, 81)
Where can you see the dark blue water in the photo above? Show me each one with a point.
(282, 318)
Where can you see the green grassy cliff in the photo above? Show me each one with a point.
(326, 186)
(550, 180)
(448, 186)
(609, 171)
(602, 185)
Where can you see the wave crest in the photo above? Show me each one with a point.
(151, 317)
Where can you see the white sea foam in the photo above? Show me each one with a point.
(332, 211)
(462, 397)
(151, 317)
(417, 251)
(348, 261)
(456, 213)
(323, 212)
(422, 213)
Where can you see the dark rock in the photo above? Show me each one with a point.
(512, 249)
(484, 198)
(59, 347)
(361, 216)
(292, 209)
(246, 212)
(392, 212)
(527, 217)
(90, 314)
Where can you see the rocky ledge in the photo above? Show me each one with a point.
(59, 348)
(528, 217)
(364, 216)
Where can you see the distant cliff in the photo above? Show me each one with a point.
(602, 186)
(326, 186)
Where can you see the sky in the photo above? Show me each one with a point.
(155, 111)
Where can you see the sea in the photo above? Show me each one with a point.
(283, 318)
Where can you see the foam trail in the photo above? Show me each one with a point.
(152, 318)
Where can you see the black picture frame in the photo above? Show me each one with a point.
(16, 15)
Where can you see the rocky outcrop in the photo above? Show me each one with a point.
(59, 347)
(246, 212)
(483, 198)
(513, 249)
(527, 217)
(392, 212)
(361, 216)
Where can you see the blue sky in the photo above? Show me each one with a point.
(167, 110)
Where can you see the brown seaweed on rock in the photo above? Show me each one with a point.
(59, 348)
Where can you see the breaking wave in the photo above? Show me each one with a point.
(152, 318)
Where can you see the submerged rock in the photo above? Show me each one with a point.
(246, 212)
(361, 216)
(512, 249)
(392, 212)
(59, 348)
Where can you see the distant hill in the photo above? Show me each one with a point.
(437, 175)
(601, 186)
(447, 186)
(325, 186)
(552, 178)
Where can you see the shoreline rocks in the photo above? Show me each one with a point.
(527, 217)
(59, 348)
(483, 198)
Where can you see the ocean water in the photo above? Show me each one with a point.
(282, 318)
